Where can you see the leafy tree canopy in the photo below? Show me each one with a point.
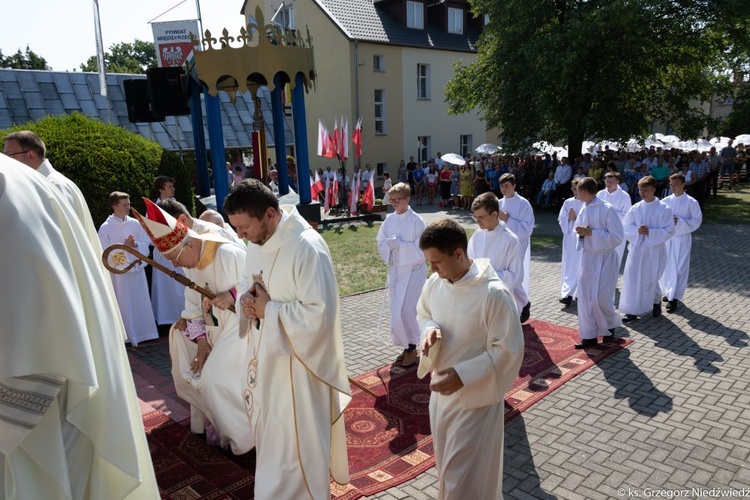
(134, 58)
(23, 60)
(572, 69)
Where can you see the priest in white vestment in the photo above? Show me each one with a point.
(494, 241)
(598, 231)
(687, 216)
(289, 311)
(620, 200)
(398, 246)
(516, 212)
(70, 425)
(208, 355)
(469, 309)
(131, 288)
(648, 225)
(571, 259)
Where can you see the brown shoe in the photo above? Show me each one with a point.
(400, 357)
(409, 358)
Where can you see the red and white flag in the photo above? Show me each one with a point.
(368, 198)
(335, 138)
(354, 194)
(334, 193)
(357, 139)
(324, 140)
(344, 139)
(316, 186)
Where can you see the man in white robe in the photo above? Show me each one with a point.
(648, 225)
(398, 246)
(131, 288)
(571, 259)
(289, 310)
(81, 435)
(473, 365)
(494, 241)
(599, 231)
(620, 200)
(516, 212)
(167, 294)
(208, 355)
(687, 216)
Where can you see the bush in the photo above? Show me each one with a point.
(102, 158)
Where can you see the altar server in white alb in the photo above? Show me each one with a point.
(208, 355)
(516, 212)
(599, 232)
(473, 344)
(131, 288)
(70, 425)
(620, 200)
(648, 226)
(571, 258)
(687, 216)
(398, 246)
(494, 241)
(297, 382)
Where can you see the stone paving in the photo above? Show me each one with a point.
(667, 417)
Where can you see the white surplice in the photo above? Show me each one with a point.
(598, 269)
(521, 222)
(571, 259)
(299, 385)
(621, 202)
(406, 272)
(218, 391)
(501, 246)
(484, 344)
(70, 423)
(131, 288)
(647, 256)
(674, 280)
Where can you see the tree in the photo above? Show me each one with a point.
(125, 57)
(573, 69)
(20, 60)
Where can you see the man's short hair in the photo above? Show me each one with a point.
(587, 184)
(679, 176)
(508, 178)
(174, 208)
(575, 182)
(116, 196)
(162, 181)
(445, 235)
(647, 181)
(401, 188)
(28, 140)
(616, 175)
(250, 197)
(209, 215)
(487, 201)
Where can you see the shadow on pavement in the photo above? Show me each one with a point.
(733, 337)
(519, 463)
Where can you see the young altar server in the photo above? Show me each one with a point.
(571, 258)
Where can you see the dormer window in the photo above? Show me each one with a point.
(415, 15)
(455, 21)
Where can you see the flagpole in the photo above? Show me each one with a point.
(100, 51)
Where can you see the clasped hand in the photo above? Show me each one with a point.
(392, 242)
(583, 231)
(254, 302)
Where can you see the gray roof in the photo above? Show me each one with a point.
(366, 21)
(29, 95)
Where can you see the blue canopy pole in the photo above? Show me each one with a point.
(199, 139)
(216, 141)
(300, 140)
(279, 139)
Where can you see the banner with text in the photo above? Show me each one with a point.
(172, 41)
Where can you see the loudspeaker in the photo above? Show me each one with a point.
(168, 92)
(139, 103)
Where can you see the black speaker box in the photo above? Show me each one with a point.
(139, 103)
(168, 91)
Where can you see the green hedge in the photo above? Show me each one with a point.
(102, 158)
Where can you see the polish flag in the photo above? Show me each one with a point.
(357, 139)
(316, 187)
(335, 139)
(354, 194)
(344, 139)
(334, 193)
(368, 198)
(324, 139)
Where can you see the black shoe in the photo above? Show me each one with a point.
(629, 317)
(526, 312)
(657, 311)
(610, 339)
(586, 343)
(664, 299)
(672, 305)
(567, 300)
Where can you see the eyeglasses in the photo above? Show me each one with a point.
(176, 259)
(18, 153)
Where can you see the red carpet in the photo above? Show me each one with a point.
(388, 437)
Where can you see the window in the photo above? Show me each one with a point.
(289, 17)
(415, 15)
(378, 62)
(382, 168)
(455, 20)
(423, 148)
(379, 111)
(486, 19)
(465, 146)
(423, 81)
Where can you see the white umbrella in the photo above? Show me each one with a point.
(488, 149)
(453, 158)
(703, 145)
(742, 139)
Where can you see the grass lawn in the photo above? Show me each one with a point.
(731, 207)
(358, 266)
